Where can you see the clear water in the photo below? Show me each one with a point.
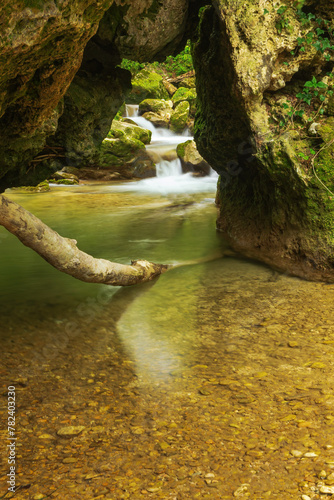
(202, 384)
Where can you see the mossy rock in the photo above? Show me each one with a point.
(189, 83)
(147, 85)
(116, 152)
(154, 105)
(184, 94)
(124, 129)
(179, 118)
(66, 182)
(42, 187)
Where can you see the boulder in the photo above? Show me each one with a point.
(179, 118)
(147, 85)
(117, 152)
(124, 129)
(171, 89)
(191, 160)
(159, 119)
(185, 94)
(155, 105)
(63, 177)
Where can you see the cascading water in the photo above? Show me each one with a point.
(169, 176)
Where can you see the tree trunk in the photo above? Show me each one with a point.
(64, 255)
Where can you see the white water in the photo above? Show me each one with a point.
(169, 177)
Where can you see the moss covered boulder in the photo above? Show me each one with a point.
(147, 85)
(191, 160)
(124, 129)
(179, 118)
(185, 94)
(154, 105)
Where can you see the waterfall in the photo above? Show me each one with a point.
(169, 176)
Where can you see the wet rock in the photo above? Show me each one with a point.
(124, 129)
(63, 177)
(70, 430)
(327, 489)
(155, 105)
(191, 160)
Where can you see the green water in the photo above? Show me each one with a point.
(202, 384)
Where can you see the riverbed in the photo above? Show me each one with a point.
(215, 381)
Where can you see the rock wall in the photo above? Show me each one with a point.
(248, 61)
(44, 45)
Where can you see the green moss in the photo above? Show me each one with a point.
(179, 118)
(147, 85)
(180, 149)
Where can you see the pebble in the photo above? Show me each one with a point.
(322, 474)
(306, 497)
(39, 496)
(46, 436)
(69, 460)
(242, 489)
(310, 454)
(327, 489)
(70, 431)
(296, 453)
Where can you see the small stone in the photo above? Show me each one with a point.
(310, 454)
(322, 474)
(46, 436)
(306, 497)
(69, 460)
(327, 489)
(317, 364)
(70, 431)
(296, 453)
(331, 476)
(39, 496)
(241, 490)
(209, 475)
(293, 343)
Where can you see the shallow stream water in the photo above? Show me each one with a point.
(215, 381)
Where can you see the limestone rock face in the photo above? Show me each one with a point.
(44, 45)
(41, 49)
(273, 206)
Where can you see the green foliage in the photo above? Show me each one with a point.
(132, 66)
(283, 21)
(173, 66)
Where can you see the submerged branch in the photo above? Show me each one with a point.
(63, 253)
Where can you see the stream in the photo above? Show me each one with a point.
(214, 381)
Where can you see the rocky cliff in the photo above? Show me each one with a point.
(265, 123)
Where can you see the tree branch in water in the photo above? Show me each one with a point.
(64, 255)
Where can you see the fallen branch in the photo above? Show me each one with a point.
(63, 253)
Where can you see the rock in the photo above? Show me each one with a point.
(155, 105)
(185, 94)
(310, 454)
(189, 82)
(116, 152)
(296, 453)
(39, 496)
(179, 118)
(171, 89)
(42, 187)
(69, 460)
(70, 431)
(46, 436)
(327, 489)
(306, 497)
(241, 490)
(191, 160)
(147, 85)
(124, 129)
(161, 119)
(62, 177)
